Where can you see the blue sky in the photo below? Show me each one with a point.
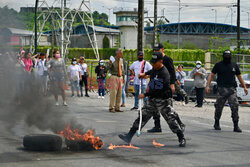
(192, 10)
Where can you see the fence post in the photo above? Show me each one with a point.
(208, 61)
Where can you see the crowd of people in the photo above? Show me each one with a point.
(155, 83)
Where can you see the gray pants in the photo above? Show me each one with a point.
(179, 90)
(225, 94)
(155, 106)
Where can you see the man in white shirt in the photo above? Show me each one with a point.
(140, 66)
(74, 73)
(41, 66)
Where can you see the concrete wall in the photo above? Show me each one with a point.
(82, 41)
(128, 37)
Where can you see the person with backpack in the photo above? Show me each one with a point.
(140, 66)
(101, 72)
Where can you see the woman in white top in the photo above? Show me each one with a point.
(74, 73)
(84, 74)
(58, 73)
(41, 66)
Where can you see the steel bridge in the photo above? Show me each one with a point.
(189, 28)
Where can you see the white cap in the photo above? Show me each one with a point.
(102, 61)
(198, 62)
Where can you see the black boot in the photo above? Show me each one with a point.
(155, 130)
(182, 140)
(217, 125)
(186, 99)
(86, 93)
(127, 137)
(236, 127)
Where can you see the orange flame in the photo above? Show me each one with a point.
(112, 147)
(76, 135)
(157, 144)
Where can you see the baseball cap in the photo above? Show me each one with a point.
(73, 59)
(198, 62)
(227, 52)
(156, 57)
(158, 47)
(140, 53)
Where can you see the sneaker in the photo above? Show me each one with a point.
(57, 104)
(134, 108)
(182, 142)
(154, 130)
(99, 97)
(64, 103)
(87, 95)
(103, 97)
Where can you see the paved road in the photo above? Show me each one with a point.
(205, 147)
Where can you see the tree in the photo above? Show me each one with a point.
(106, 42)
(161, 22)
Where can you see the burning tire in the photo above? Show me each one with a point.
(42, 142)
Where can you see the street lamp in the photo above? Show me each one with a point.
(247, 18)
(109, 23)
(215, 14)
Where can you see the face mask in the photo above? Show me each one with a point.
(198, 66)
(227, 59)
(101, 64)
(57, 56)
(74, 62)
(140, 59)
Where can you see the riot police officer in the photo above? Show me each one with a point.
(226, 71)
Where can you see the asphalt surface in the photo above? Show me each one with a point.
(205, 146)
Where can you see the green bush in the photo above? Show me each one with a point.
(131, 54)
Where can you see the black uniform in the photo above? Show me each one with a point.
(168, 63)
(226, 88)
(159, 101)
(226, 71)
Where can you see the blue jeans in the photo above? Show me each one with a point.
(101, 86)
(123, 95)
(75, 85)
(137, 90)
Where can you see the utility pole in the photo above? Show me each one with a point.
(62, 28)
(140, 37)
(238, 26)
(179, 26)
(35, 40)
(155, 42)
(231, 9)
